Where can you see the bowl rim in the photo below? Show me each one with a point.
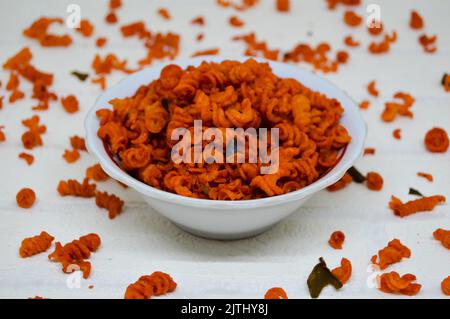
(95, 145)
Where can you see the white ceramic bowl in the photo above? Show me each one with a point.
(227, 219)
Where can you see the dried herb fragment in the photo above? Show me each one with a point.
(356, 175)
(321, 277)
(81, 76)
(413, 191)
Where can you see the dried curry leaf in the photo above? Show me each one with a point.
(413, 191)
(81, 76)
(356, 175)
(321, 277)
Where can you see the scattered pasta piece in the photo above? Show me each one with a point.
(115, 4)
(101, 42)
(428, 43)
(364, 105)
(332, 4)
(369, 151)
(236, 22)
(72, 187)
(27, 157)
(200, 20)
(352, 19)
(255, 47)
(86, 28)
(38, 30)
(111, 18)
(392, 283)
(427, 176)
(344, 272)
(337, 239)
(415, 206)
(156, 284)
(164, 13)
(445, 83)
(445, 286)
(416, 21)
(276, 293)
(443, 236)
(349, 41)
(96, 173)
(32, 137)
(397, 134)
(394, 252)
(2, 134)
(436, 140)
(78, 143)
(371, 88)
(375, 29)
(35, 245)
(283, 6)
(71, 156)
(393, 109)
(111, 202)
(374, 181)
(25, 198)
(70, 103)
(385, 45)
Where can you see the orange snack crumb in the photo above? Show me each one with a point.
(283, 5)
(416, 21)
(397, 134)
(213, 51)
(394, 252)
(78, 143)
(276, 293)
(71, 156)
(101, 42)
(200, 20)
(337, 239)
(96, 173)
(86, 28)
(427, 176)
(369, 151)
(349, 41)
(27, 157)
(72, 187)
(374, 30)
(236, 22)
(392, 283)
(436, 140)
(445, 83)
(70, 103)
(419, 205)
(352, 19)
(445, 286)
(25, 198)
(115, 4)
(374, 181)
(364, 105)
(156, 284)
(164, 13)
(111, 202)
(443, 236)
(101, 80)
(34, 245)
(340, 184)
(344, 272)
(371, 88)
(428, 43)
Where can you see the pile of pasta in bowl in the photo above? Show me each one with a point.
(138, 131)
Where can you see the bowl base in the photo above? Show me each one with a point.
(227, 236)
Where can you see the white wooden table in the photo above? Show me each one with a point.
(140, 241)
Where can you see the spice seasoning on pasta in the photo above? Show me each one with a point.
(336, 239)
(394, 252)
(415, 206)
(344, 272)
(416, 21)
(110, 202)
(35, 245)
(436, 140)
(443, 236)
(374, 181)
(445, 286)
(156, 284)
(28, 158)
(226, 94)
(392, 282)
(427, 176)
(25, 198)
(276, 293)
(321, 277)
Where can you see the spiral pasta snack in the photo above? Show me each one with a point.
(34, 245)
(236, 95)
(156, 284)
